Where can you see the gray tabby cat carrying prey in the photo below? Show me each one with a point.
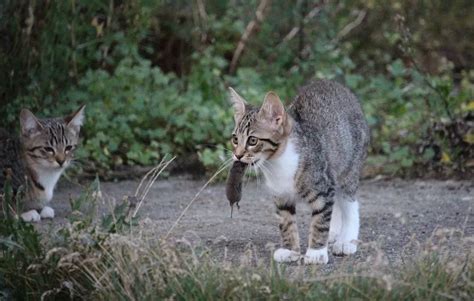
(37, 160)
(313, 151)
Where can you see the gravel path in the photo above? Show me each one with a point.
(393, 213)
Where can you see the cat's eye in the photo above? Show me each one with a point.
(49, 150)
(68, 148)
(235, 140)
(252, 141)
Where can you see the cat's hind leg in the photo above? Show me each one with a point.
(290, 249)
(321, 206)
(346, 241)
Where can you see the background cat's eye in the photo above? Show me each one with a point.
(48, 149)
(235, 140)
(68, 148)
(252, 140)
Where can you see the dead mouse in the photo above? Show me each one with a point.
(233, 188)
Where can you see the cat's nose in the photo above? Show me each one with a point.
(239, 156)
(60, 161)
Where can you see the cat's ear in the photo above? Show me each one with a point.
(272, 110)
(238, 103)
(76, 119)
(29, 124)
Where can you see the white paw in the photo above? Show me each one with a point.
(47, 212)
(31, 216)
(316, 256)
(286, 255)
(344, 248)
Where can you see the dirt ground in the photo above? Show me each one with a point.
(393, 214)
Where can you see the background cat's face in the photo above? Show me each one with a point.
(258, 132)
(50, 143)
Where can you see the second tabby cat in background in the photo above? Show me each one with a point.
(36, 159)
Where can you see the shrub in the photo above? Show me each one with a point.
(154, 86)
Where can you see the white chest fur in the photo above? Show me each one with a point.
(48, 179)
(280, 172)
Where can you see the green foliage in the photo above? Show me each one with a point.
(154, 86)
(19, 248)
(31, 267)
(139, 114)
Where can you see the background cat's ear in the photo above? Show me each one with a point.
(272, 110)
(76, 119)
(29, 123)
(238, 103)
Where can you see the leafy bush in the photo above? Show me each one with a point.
(138, 114)
(154, 86)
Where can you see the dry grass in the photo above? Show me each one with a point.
(139, 267)
(120, 259)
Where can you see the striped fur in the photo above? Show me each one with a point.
(313, 151)
(287, 225)
(44, 150)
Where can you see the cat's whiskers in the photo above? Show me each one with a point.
(266, 171)
(227, 162)
(75, 162)
(246, 180)
(254, 168)
(226, 149)
(261, 170)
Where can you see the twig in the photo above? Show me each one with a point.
(249, 30)
(202, 10)
(202, 17)
(303, 8)
(349, 27)
(73, 39)
(294, 31)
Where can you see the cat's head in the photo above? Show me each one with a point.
(258, 132)
(50, 143)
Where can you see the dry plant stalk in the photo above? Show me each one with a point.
(249, 30)
(294, 31)
(192, 201)
(351, 26)
(150, 177)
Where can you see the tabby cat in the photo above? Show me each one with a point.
(37, 159)
(312, 151)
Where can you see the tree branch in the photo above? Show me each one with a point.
(294, 31)
(349, 27)
(249, 30)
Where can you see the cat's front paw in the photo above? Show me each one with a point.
(31, 216)
(286, 255)
(316, 256)
(344, 248)
(47, 212)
